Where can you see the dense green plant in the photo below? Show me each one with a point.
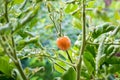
(29, 30)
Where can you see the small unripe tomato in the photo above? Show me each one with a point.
(63, 42)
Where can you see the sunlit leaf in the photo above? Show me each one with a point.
(58, 68)
(70, 8)
(69, 75)
(18, 1)
(76, 23)
(89, 62)
(5, 66)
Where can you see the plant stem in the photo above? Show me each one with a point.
(18, 63)
(14, 47)
(79, 64)
(6, 11)
(13, 54)
(52, 19)
(69, 57)
(23, 4)
(20, 69)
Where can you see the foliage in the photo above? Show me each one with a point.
(29, 30)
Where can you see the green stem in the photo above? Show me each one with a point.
(23, 4)
(8, 53)
(13, 55)
(20, 69)
(70, 59)
(52, 19)
(79, 64)
(69, 56)
(18, 63)
(60, 29)
(14, 48)
(6, 11)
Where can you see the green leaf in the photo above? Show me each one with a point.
(109, 28)
(35, 78)
(1, 51)
(21, 44)
(33, 22)
(77, 23)
(116, 30)
(110, 49)
(89, 62)
(18, 1)
(85, 74)
(91, 3)
(114, 68)
(58, 68)
(62, 54)
(69, 75)
(113, 60)
(71, 7)
(101, 60)
(100, 29)
(5, 66)
(117, 16)
(91, 49)
(100, 57)
(77, 14)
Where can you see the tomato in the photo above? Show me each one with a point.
(63, 42)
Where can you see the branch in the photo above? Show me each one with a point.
(40, 45)
(14, 48)
(23, 4)
(53, 21)
(19, 67)
(6, 11)
(69, 57)
(12, 54)
(79, 64)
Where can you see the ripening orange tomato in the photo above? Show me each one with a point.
(63, 42)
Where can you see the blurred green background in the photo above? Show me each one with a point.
(41, 29)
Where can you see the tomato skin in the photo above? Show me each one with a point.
(63, 43)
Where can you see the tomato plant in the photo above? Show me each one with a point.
(59, 40)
